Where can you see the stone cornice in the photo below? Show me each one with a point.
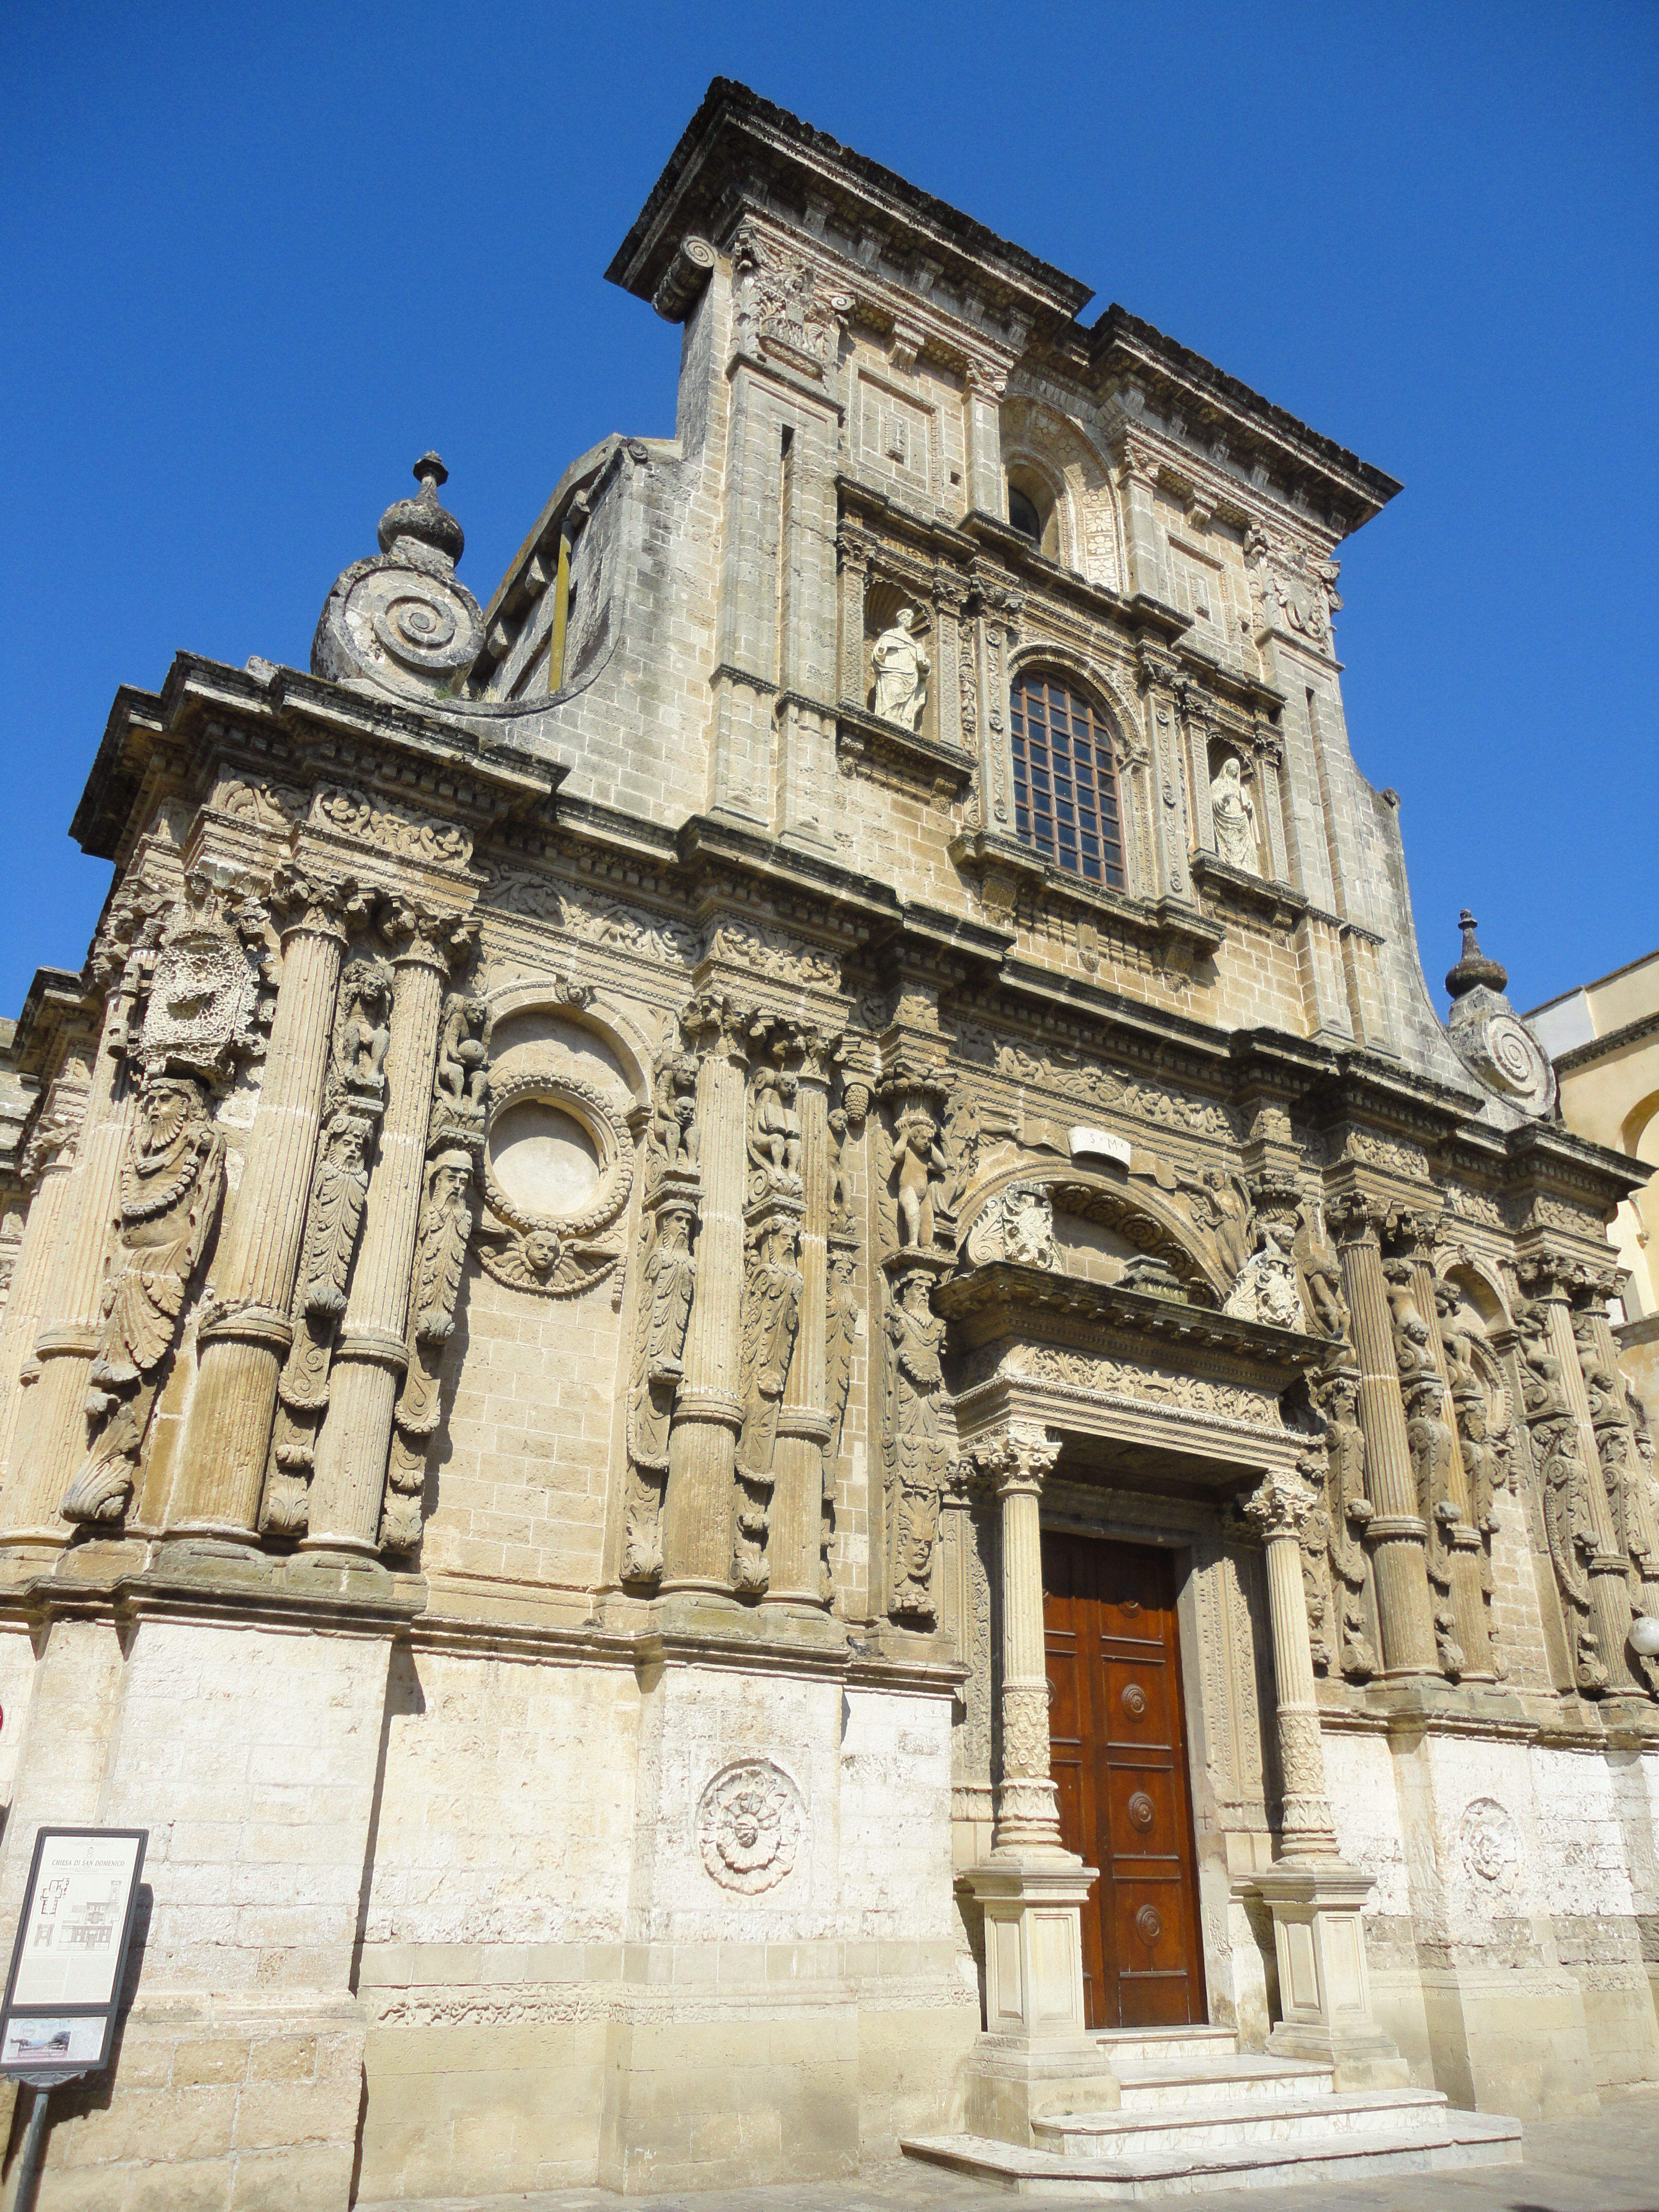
(1599, 1047)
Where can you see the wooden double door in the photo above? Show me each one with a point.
(1118, 1756)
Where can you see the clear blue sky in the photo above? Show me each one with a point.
(257, 258)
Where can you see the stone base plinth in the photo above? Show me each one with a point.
(1324, 1991)
(1010, 2088)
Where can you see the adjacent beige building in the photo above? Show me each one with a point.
(767, 1380)
(1604, 1040)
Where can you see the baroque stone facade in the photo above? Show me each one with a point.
(626, 1162)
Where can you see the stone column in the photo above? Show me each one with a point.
(1036, 2057)
(697, 1506)
(1028, 1812)
(1396, 1533)
(50, 1165)
(1545, 1278)
(50, 1438)
(1280, 1510)
(797, 1510)
(249, 1324)
(854, 547)
(1324, 1988)
(349, 1487)
(1469, 1609)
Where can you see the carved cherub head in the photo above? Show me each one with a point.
(542, 1248)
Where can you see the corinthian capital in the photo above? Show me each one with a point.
(1355, 1218)
(428, 934)
(1016, 1459)
(325, 905)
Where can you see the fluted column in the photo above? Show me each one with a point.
(52, 1151)
(248, 1326)
(1279, 1509)
(1469, 1609)
(1028, 1811)
(697, 1506)
(50, 1438)
(1396, 1533)
(1609, 1590)
(797, 1515)
(349, 1487)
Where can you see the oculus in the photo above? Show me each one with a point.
(558, 1167)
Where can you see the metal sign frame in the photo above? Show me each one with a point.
(81, 2032)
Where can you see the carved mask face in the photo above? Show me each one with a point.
(164, 1112)
(541, 1251)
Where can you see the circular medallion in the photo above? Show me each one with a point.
(1140, 1812)
(1149, 1925)
(750, 1822)
(558, 1167)
(1134, 1700)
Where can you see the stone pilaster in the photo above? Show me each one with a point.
(999, 626)
(50, 1164)
(372, 1354)
(853, 548)
(50, 1438)
(1462, 1541)
(1171, 839)
(987, 490)
(248, 1326)
(797, 1510)
(1137, 480)
(697, 1506)
(1396, 1533)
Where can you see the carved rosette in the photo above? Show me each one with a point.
(750, 1825)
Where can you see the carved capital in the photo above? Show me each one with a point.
(1412, 1232)
(1156, 670)
(1280, 1506)
(1015, 1461)
(1356, 1217)
(424, 936)
(323, 906)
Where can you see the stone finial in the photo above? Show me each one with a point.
(1474, 969)
(423, 519)
(402, 623)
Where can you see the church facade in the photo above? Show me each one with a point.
(764, 1364)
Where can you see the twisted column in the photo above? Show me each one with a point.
(1279, 1511)
(50, 1438)
(1016, 1463)
(247, 1327)
(348, 1485)
(797, 1512)
(698, 1505)
(1396, 1533)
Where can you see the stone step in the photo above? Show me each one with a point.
(1162, 2046)
(1463, 2139)
(1232, 2078)
(1225, 2126)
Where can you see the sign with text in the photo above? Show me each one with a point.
(71, 1950)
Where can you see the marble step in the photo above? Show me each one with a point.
(1463, 2139)
(1233, 2078)
(1200, 2126)
(1162, 2046)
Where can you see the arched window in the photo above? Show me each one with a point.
(1065, 782)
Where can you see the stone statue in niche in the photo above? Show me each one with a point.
(448, 1217)
(771, 1314)
(901, 670)
(1220, 1209)
(1232, 811)
(172, 1182)
(461, 1080)
(917, 1451)
(665, 1288)
(674, 1116)
(362, 1033)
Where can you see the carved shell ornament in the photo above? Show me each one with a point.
(750, 1824)
(558, 1169)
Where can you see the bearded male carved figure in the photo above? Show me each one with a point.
(667, 1284)
(1561, 1475)
(901, 670)
(447, 1222)
(172, 1183)
(771, 1315)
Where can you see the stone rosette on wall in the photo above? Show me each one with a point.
(1489, 1846)
(750, 1826)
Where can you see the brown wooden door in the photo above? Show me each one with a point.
(1119, 1759)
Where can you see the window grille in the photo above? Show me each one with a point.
(1064, 783)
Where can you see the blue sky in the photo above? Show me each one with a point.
(259, 259)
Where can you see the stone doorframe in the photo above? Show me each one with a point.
(1041, 1358)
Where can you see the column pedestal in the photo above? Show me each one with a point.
(1324, 1990)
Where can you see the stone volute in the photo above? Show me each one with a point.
(1491, 1039)
(401, 623)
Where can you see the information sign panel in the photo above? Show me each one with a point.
(58, 2017)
